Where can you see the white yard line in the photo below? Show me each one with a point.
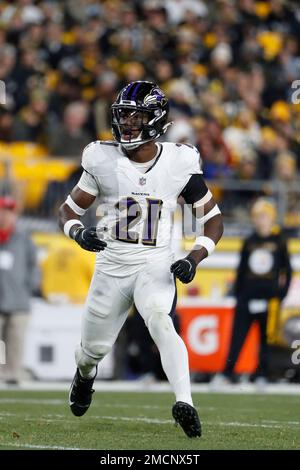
(59, 418)
(294, 423)
(32, 401)
(168, 421)
(43, 401)
(247, 425)
(38, 446)
(135, 419)
(50, 401)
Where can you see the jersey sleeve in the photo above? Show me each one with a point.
(185, 161)
(88, 184)
(88, 181)
(191, 160)
(194, 189)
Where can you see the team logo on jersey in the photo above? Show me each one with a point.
(142, 181)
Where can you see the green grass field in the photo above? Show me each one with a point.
(42, 420)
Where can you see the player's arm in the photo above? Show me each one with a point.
(206, 211)
(70, 213)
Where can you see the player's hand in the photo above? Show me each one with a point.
(88, 239)
(184, 269)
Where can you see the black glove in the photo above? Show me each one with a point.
(184, 269)
(88, 239)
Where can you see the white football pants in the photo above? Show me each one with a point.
(152, 290)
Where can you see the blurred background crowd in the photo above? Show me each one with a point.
(228, 67)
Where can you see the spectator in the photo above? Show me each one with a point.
(266, 153)
(244, 194)
(106, 94)
(6, 125)
(181, 132)
(177, 9)
(213, 150)
(264, 273)
(70, 140)
(286, 179)
(30, 124)
(244, 135)
(17, 265)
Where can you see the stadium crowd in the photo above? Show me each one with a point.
(228, 67)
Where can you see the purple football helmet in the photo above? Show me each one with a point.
(139, 114)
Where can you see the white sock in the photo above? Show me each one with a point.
(173, 354)
(86, 364)
(87, 374)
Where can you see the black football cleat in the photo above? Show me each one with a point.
(187, 416)
(81, 392)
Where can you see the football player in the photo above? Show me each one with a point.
(138, 182)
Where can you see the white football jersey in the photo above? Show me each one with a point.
(136, 208)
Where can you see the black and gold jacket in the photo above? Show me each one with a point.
(263, 263)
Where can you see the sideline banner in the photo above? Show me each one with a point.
(206, 331)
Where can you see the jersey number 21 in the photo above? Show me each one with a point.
(130, 213)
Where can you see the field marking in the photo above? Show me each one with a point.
(208, 423)
(246, 425)
(47, 420)
(138, 418)
(110, 418)
(33, 401)
(38, 446)
(295, 423)
(60, 401)
(59, 418)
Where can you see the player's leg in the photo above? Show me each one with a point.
(262, 368)
(15, 339)
(154, 297)
(3, 347)
(241, 324)
(105, 312)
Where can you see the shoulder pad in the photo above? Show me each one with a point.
(95, 154)
(108, 142)
(190, 157)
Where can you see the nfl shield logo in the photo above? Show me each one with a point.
(142, 181)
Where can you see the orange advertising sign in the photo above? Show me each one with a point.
(206, 331)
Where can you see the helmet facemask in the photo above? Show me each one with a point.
(129, 125)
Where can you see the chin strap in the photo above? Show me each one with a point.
(166, 127)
